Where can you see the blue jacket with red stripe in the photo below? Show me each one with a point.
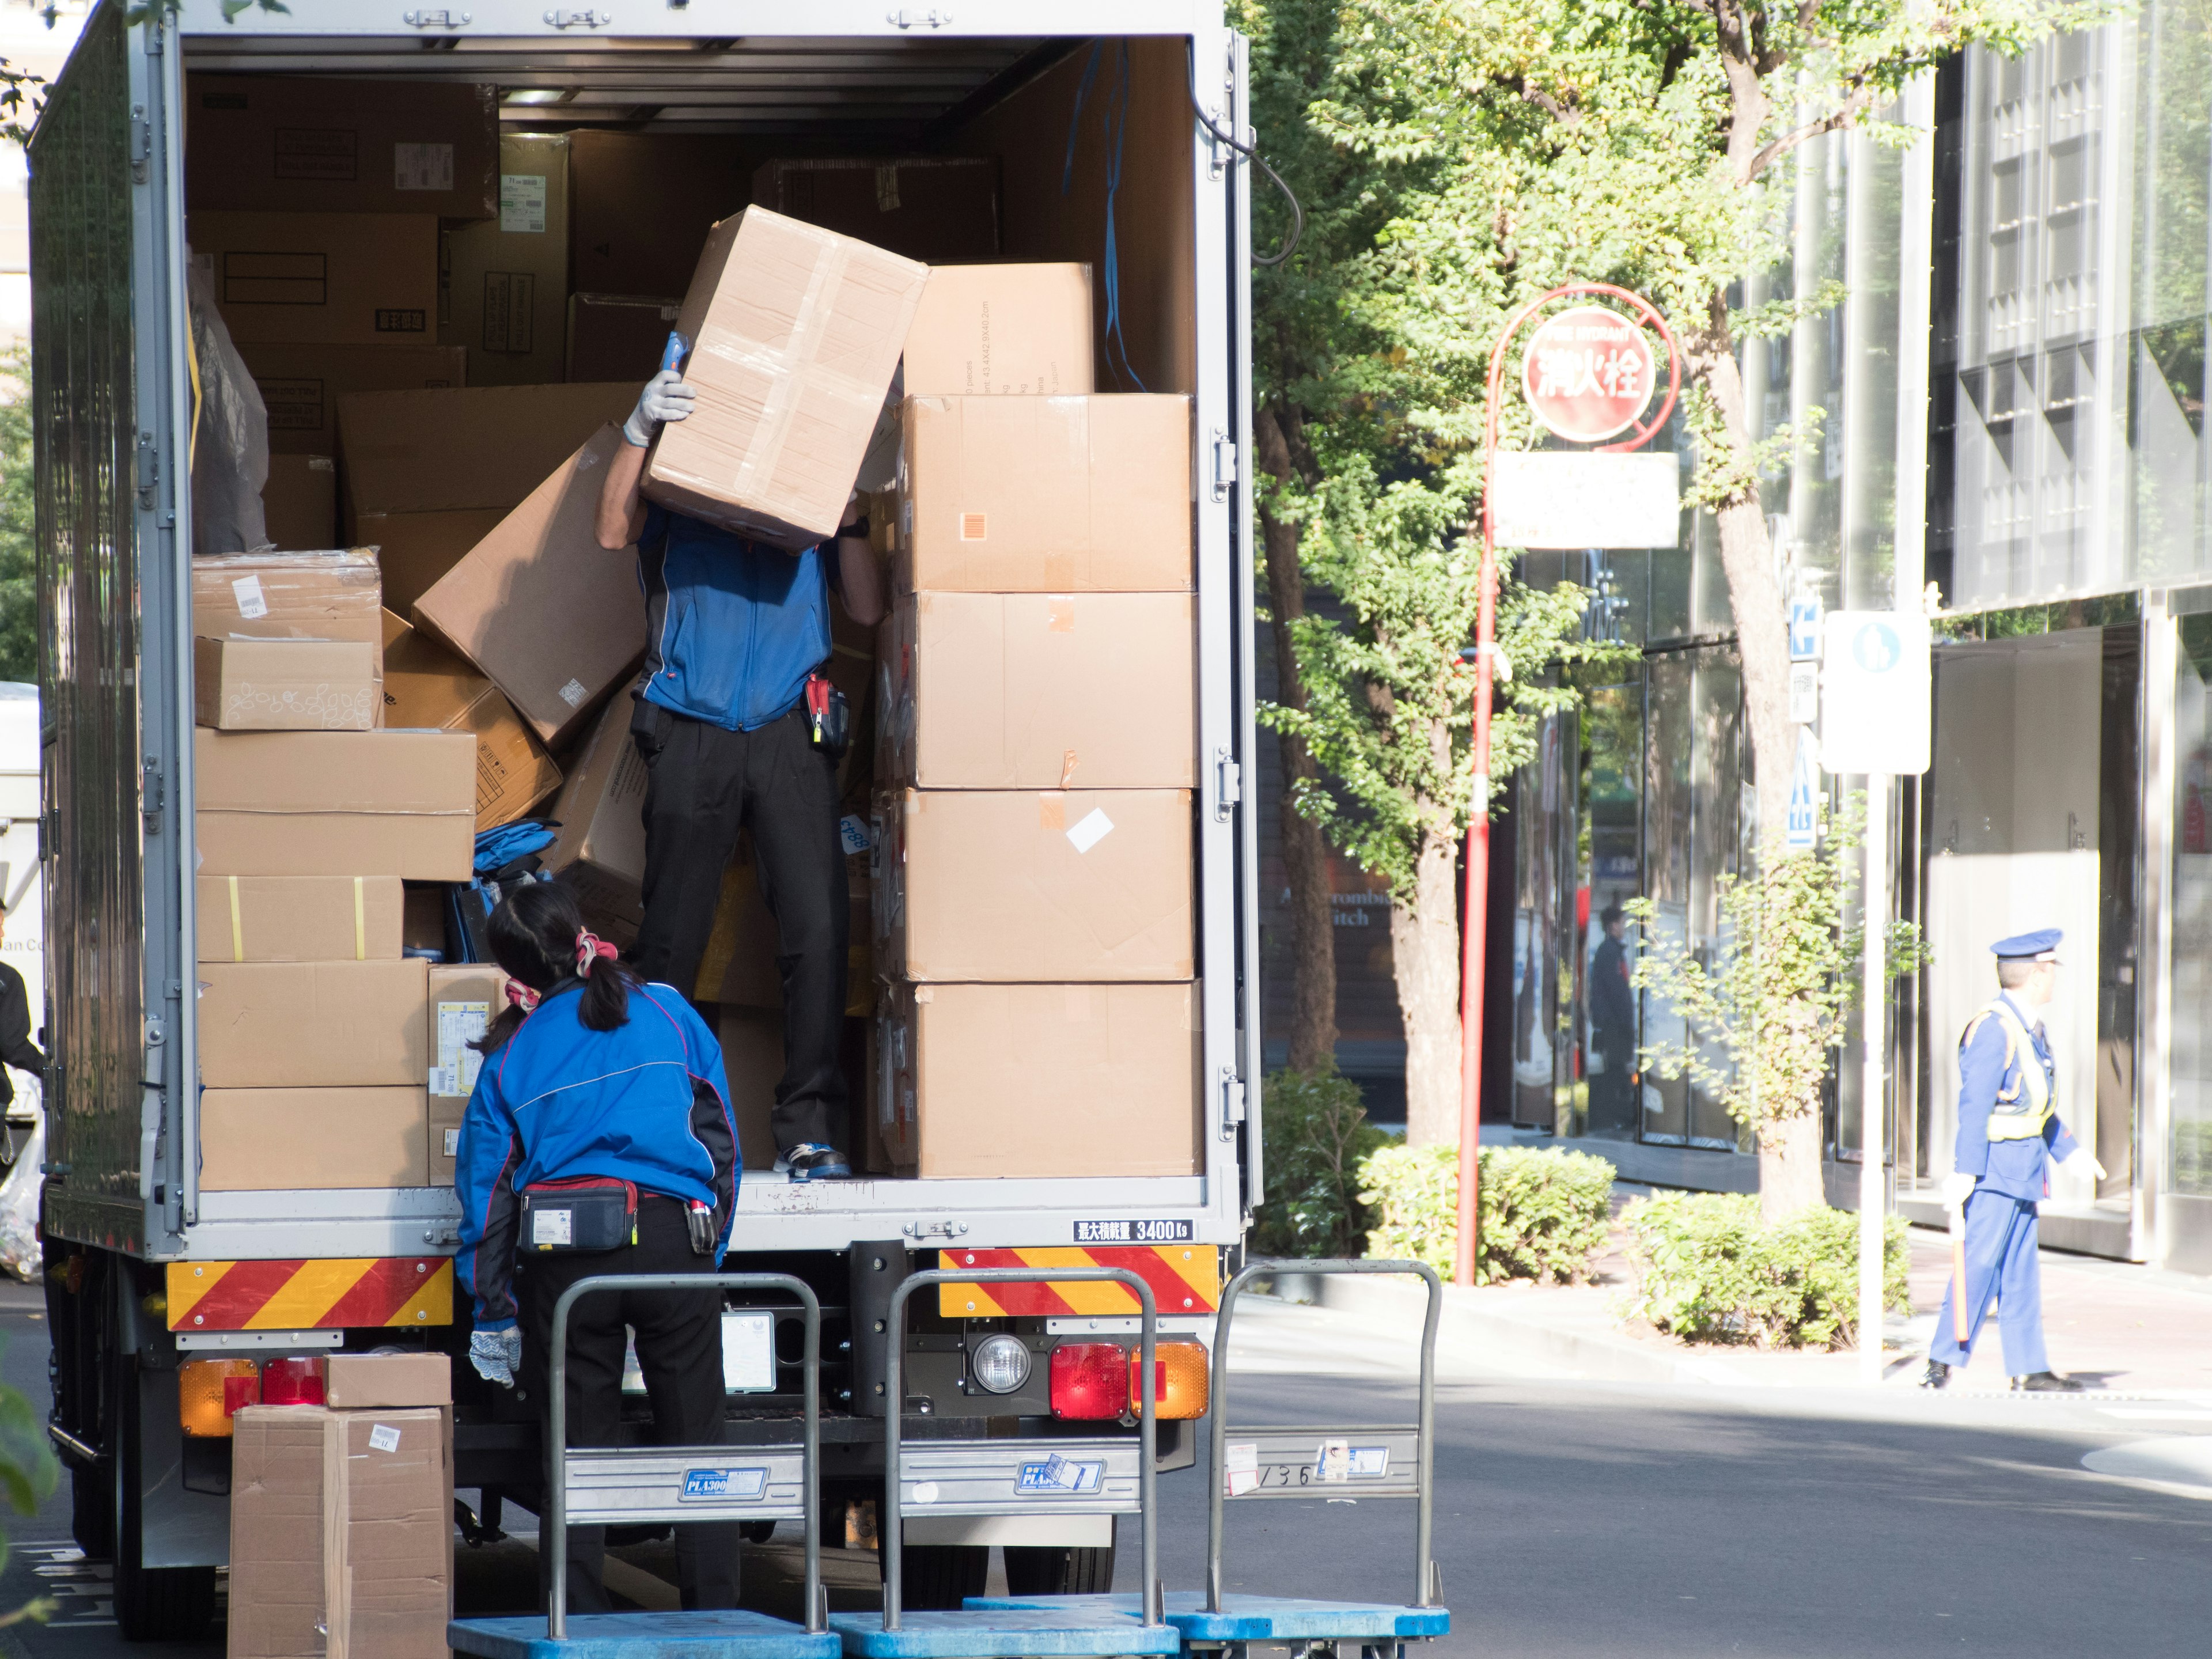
(644, 1103)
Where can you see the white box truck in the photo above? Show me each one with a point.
(1059, 96)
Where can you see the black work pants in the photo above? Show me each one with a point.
(679, 1349)
(703, 784)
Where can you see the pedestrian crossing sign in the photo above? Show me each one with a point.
(1801, 830)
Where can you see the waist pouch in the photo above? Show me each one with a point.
(829, 718)
(591, 1213)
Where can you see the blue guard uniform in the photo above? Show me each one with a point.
(2008, 1136)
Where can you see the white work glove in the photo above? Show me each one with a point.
(667, 397)
(2083, 1162)
(1958, 1188)
(497, 1355)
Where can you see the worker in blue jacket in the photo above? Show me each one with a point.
(597, 1088)
(2009, 1135)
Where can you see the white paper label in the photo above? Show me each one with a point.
(573, 694)
(1094, 828)
(252, 603)
(1333, 1462)
(522, 203)
(421, 167)
(459, 1023)
(1240, 1467)
(384, 1437)
(452, 1143)
(549, 1227)
(853, 832)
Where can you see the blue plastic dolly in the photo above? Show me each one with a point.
(1392, 1462)
(622, 1486)
(1103, 1476)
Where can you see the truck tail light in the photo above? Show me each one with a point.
(1179, 1380)
(295, 1380)
(1089, 1380)
(209, 1390)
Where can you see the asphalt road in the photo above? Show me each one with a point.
(1585, 1519)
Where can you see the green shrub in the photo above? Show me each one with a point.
(1315, 1132)
(1544, 1212)
(1708, 1270)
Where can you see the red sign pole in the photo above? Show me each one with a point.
(1473, 932)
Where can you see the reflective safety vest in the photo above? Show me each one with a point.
(2022, 1116)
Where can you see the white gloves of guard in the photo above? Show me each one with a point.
(2083, 1162)
(497, 1355)
(667, 397)
(1957, 1189)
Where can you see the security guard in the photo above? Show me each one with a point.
(2009, 1134)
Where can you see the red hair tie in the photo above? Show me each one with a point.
(521, 996)
(590, 948)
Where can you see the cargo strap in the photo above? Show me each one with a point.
(2022, 1115)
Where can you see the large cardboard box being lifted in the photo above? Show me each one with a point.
(599, 854)
(931, 208)
(328, 595)
(426, 686)
(277, 1140)
(551, 617)
(1048, 887)
(299, 918)
(335, 803)
(796, 332)
(328, 278)
(300, 386)
(963, 1079)
(504, 280)
(314, 1025)
(1017, 331)
(1039, 691)
(1008, 494)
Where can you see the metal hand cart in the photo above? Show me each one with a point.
(1306, 1462)
(594, 1485)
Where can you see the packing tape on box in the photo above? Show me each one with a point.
(237, 927)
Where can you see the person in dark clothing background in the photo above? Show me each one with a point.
(16, 1045)
(1613, 1029)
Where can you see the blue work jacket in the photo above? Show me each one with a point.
(644, 1103)
(732, 627)
(1987, 1074)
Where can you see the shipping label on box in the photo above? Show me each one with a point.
(464, 999)
(284, 685)
(316, 1025)
(1022, 331)
(311, 145)
(327, 278)
(299, 918)
(312, 1138)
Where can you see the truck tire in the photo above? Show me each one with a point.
(92, 1512)
(1064, 1571)
(152, 1604)
(939, 1577)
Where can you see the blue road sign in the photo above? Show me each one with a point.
(1805, 628)
(1801, 830)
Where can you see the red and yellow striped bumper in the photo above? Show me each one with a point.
(302, 1295)
(1185, 1279)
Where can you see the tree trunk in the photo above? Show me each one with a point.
(1425, 957)
(1305, 853)
(1789, 1145)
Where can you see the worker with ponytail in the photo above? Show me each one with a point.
(600, 1139)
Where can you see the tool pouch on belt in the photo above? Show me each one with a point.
(829, 717)
(591, 1213)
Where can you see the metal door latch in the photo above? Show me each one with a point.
(1224, 464)
(149, 471)
(152, 796)
(142, 143)
(907, 20)
(1228, 784)
(562, 17)
(1232, 1101)
(435, 20)
(934, 1229)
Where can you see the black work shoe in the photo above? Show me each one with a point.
(2045, 1382)
(1937, 1376)
(811, 1161)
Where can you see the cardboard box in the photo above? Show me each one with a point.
(504, 280)
(308, 145)
(299, 502)
(284, 685)
(335, 803)
(340, 1532)
(614, 337)
(314, 1025)
(550, 618)
(1039, 691)
(300, 386)
(1023, 330)
(474, 446)
(425, 685)
(414, 550)
(386, 1381)
(599, 854)
(337, 1137)
(329, 278)
(1034, 888)
(935, 208)
(299, 918)
(1047, 495)
(796, 334)
(752, 1066)
(329, 595)
(640, 205)
(463, 1001)
(984, 1080)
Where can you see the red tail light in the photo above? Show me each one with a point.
(1089, 1380)
(240, 1391)
(295, 1380)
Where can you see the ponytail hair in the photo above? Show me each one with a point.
(537, 935)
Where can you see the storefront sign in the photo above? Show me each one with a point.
(1874, 692)
(1573, 499)
(1588, 373)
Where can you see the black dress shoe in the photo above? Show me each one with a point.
(1937, 1376)
(2045, 1382)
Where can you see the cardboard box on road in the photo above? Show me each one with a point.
(314, 1025)
(1009, 494)
(548, 615)
(506, 279)
(426, 686)
(599, 854)
(464, 999)
(336, 804)
(1022, 331)
(935, 208)
(1039, 691)
(284, 685)
(469, 447)
(618, 336)
(971, 1079)
(299, 918)
(300, 386)
(336, 1137)
(640, 205)
(299, 502)
(1046, 887)
(327, 278)
(308, 145)
(796, 333)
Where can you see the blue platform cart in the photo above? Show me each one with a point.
(1102, 1476)
(593, 1486)
(1306, 1462)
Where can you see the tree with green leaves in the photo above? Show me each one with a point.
(19, 565)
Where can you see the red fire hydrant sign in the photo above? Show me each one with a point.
(1588, 372)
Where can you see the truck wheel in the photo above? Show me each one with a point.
(92, 1512)
(938, 1578)
(1045, 1570)
(152, 1604)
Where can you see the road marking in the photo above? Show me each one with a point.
(2178, 1415)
